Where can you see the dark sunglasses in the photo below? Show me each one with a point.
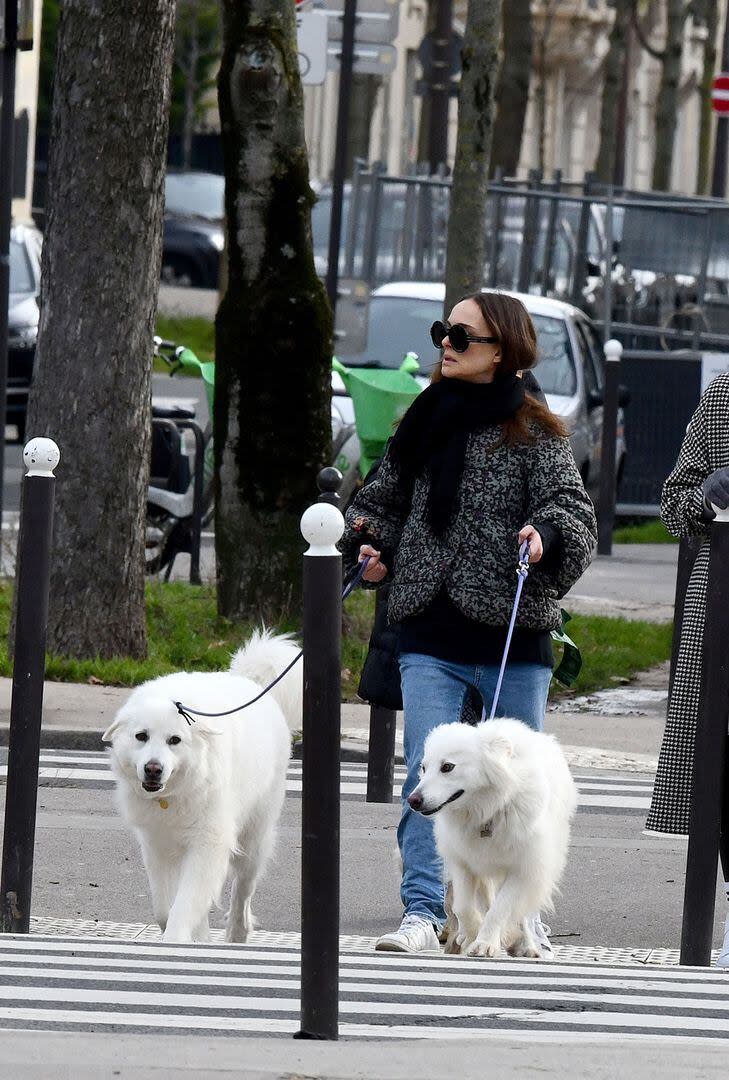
(458, 336)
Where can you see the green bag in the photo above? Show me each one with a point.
(571, 663)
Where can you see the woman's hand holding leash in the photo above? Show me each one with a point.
(536, 548)
(376, 570)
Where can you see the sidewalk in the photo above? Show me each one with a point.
(615, 729)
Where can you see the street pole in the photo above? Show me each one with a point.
(322, 526)
(346, 64)
(721, 146)
(606, 501)
(32, 584)
(440, 69)
(709, 772)
(7, 140)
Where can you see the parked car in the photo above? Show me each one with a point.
(193, 229)
(23, 317)
(570, 368)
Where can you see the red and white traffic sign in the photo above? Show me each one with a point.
(720, 94)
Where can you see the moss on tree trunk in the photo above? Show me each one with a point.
(273, 328)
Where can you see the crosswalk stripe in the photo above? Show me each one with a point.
(613, 793)
(74, 983)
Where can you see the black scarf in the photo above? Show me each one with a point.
(433, 435)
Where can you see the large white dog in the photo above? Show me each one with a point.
(501, 797)
(204, 798)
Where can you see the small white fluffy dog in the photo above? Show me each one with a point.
(501, 797)
(204, 798)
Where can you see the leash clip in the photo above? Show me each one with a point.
(523, 568)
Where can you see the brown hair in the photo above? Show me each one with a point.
(510, 321)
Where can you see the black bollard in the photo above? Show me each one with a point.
(381, 748)
(322, 526)
(32, 582)
(709, 759)
(606, 499)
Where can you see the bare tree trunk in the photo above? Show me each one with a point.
(100, 276)
(703, 175)
(424, 129)
(273, 329)
(549, 10)
(466, 253)
(668, 90)
(361, 109)
(605, 167)
(512, 88)
(190, 75)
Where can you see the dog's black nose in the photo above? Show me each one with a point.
(415, 800)
(153, 770)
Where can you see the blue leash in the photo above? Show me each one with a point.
(190, 714)
(522, 571)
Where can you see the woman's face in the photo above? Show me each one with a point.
(479, 362)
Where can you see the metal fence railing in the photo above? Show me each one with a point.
(651, 270)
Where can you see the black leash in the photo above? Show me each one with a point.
(351, 581)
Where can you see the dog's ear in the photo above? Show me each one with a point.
(205, 729)
(500, 746)
(113, 727)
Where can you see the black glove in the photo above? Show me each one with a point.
(716, 488)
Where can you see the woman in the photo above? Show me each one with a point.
(475, 467)
(700, 478)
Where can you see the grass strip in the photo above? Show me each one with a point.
(652, 531)
(186, 633)
(196, 333)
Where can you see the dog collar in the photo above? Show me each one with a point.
(163, 804)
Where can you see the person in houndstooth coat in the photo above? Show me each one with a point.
(699, 478)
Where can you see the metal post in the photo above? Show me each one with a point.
(32, 583)
(721, 144)
(582, 242)
(346, 63)
(7, 139)
(530, 231)
(550, 236)
(381, 747)
(709, 757)
(197, 499)
(608, 283)
(372, 225)
(350, 243)
(321, 526)
(606, 502)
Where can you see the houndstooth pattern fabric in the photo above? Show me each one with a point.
(705, 448)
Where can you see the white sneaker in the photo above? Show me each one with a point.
(541, 932)
(722, 959)
(416, 934)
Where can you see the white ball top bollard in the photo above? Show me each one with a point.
(322, 526)
(613, 349)
(41, 457)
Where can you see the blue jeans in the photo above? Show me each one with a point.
(434, 692)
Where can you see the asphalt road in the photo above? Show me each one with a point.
(621, 890)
